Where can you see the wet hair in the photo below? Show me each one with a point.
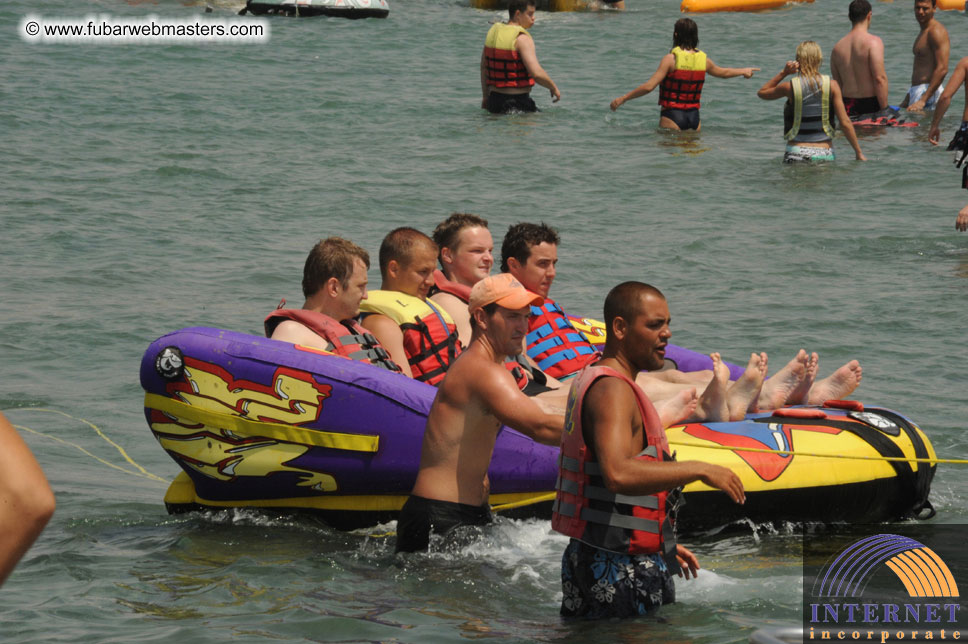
(623, 301)
(521, 237)
(685, 34)
(447, 232)
(399, 245)
(332, 257)
(515, 6)
(858, 10)
(810, 57)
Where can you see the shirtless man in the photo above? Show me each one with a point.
(609, 425)
(334, 283)
(960, 139)
(509, 64)
(476, 397)
(420, 336)
(931, 48)
(961, 223)
(857, 63)
(465, 252)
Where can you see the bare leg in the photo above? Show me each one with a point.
(837, 385)
(784, 382)
(678, 408)
(743, 395)
(712, 403)
(799, 395)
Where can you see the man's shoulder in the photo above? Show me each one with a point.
(938, 30)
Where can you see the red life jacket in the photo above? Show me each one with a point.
(584, 509)
(501, 58)
(346, 338)
(463, 293)
(681, 89)
(558, 348)
(429, 335)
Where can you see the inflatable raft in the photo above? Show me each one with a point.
(352, 9)
(710, 6)
(260, 423)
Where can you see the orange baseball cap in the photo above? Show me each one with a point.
(504, 290)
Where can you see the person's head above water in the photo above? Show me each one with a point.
(334, 277)
(685, 34)
(520, 6)
(530, 253)
(858, 11)
(637, 320)
(809, 57)
(465, 248)
(407, 261)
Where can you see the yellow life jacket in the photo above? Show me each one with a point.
(501, 58)
(682, 87)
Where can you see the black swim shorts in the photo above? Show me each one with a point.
(685, 119)
(861, 106)
(499, 103)
(419, 517)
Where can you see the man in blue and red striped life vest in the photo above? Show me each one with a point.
(618, 488)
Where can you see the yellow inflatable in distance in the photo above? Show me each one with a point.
(709, 6)
(540, 5)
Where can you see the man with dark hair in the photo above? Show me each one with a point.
(509, 64)
(857, 64)
(618, 487)
(334, 284)
(931, 50)
(420, 336)
(465, 252)
(477, 396)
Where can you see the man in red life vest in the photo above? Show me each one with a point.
(465, 252)
(334, 284)
(420, 335)
(476, 397)
(617, 486)
(509, 64)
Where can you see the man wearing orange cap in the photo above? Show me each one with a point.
(476, 397)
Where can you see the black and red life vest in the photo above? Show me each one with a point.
(558, 348)
(347, 338)
(681, 89)
(586, 510)
(501, 59)
(429, 334)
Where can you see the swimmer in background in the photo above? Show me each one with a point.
(680, 78)
(931, 50)
(961, 223)
(509, 64)
(960, 139)
(811, 98)
(857, 63)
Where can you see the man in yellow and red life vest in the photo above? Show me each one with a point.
(618, 488)
(680, 78)
(509, 64)
(419, 334)
(334, 284)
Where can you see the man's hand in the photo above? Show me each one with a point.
(726, 480)
(747, 72)
(555, 94)
(934, 135)
(617, 103)
(688, 564)
(917, 106)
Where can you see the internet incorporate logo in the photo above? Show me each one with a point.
(895, 562)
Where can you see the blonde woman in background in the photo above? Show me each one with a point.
(812, 101)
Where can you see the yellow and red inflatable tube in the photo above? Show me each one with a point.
(710, 6)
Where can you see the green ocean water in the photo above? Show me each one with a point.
(152, 187)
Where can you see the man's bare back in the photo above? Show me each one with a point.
(857, 63)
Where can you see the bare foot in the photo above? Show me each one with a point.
(712, 403)
(743, 395)
(812, 366)
(678, 408)
(837, 385)
(777, 389)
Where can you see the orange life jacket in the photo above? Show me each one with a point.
(584, 509)
(681, 89)
(346, 338)
(501, 58)
(558, 348)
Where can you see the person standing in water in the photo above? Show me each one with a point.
(931, 50)
(680, 78)
(812, 99)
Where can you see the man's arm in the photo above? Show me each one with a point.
(729, 72)
(528, 56)
(957, 78)
(875, 59)
(611, 403)
(391, 337)
(939, 44)
(845, 125)
(499, 393)
(26, 500)
(666, 65)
